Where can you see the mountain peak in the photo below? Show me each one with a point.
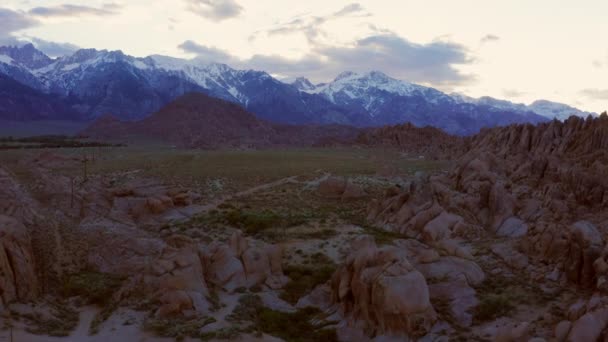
(377, 75)
(557, 110)
(345, 75)
(303, 84)
(27, 56)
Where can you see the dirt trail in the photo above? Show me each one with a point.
(214, 204)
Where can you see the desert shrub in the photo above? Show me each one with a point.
(246, 309)
(322, 234)
(304, 279)
(178, 328)
(62, 322)
(381, 236)
(253, 221)
(500, 295)
(101, 317)
(493, 306)
(291, 327)
(95, 287)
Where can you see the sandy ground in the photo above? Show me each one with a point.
(113, 330)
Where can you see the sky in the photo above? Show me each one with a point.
(519, 50)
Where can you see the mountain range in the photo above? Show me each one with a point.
(91, 83)
(210, 123)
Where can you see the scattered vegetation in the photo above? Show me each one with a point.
(291, 327)
(61, 321)
(499, 296)
(178, 328)
(304, 279)
(381, 236)
(254, 222)
(95, 287)
(294, 327)
(244, 169)
(494, 305)
(443, 307)
(49, 141)
(101, 317)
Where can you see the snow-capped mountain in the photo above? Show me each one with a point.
(27, 56)
(385, 100)
(303, 84)
(369, 90)
(96, 82)
(556, 110)
(548, 109)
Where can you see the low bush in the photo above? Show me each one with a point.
(96, 287)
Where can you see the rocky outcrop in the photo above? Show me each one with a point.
(585, 246)
(18, 278)
(531, 183)
(14, 200)
(379, 288)
(181, 278)
(427, 141)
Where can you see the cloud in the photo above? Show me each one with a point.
(433, 63)
(283, 66)
(216, 10)
(513, 93)
(53, 49)
(207, 54)
(596, 94)
(489, 38)
(311, 26)
(12, 21)
(600, 63)
(68, 10)
(353, 8)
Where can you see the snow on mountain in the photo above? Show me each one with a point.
(370, 90)
(96, 82)
(6, 59)
(548, 109)
(26, 55)
(556, 110)
(303, 84)
(356, 84)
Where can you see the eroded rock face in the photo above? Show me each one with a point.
(182, 288)
(14, 201)
(585, 246)
(379, 288)
(182, 276)
(530, 183)
(115, 248)
(18, 279)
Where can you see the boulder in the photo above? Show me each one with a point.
(461, 297)
(224, 267)
(112, 247)
(585, 245)
(381, 290)
(451, 267)
(589, 327)
(512, 227)
(332, 187)
(561, 330)
(182, 285)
